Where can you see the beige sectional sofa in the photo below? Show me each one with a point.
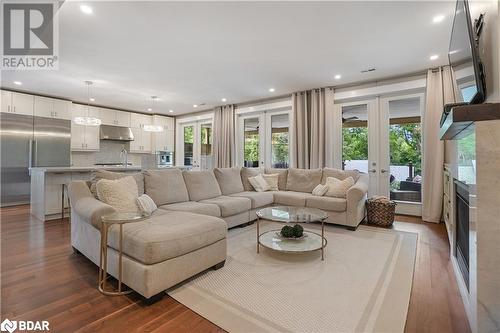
(187, 234)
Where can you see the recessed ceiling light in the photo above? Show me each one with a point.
(92, 99)
(438, 18)
(223, 99)
(337, 77)
(170, 111)
(18, 83)
(149, 109)
(195, 105)
(271, 89)
(434, 57)
(86, 9)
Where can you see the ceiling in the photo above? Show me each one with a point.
(200, 52)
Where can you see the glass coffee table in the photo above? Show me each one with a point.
(310, 241)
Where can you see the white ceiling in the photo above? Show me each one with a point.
(199, 52)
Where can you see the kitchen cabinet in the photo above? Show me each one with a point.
(164, 141)
(84, 138)
(115, 117)
(13, 102)
(138, 120)
(142, 141)
(52, 108)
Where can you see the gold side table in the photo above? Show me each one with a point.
(107, 222)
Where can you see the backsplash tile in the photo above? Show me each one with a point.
(109, 153)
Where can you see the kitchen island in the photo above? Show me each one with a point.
(48, 187)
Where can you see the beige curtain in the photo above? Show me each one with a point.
(441, 90)
(308, 109)
(223, 136)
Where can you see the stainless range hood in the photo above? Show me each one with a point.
(116, 133)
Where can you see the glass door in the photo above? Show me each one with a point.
(252, 148)
(401, 149)
(195, 145)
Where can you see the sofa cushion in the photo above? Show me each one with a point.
(283, 174)
(303, 180)
(105, 174)
(229, 180)
(339, 174)
(247, 173)
(327, 203)
(272, 180)
(230, 205)
(201, 185)
(290, 198)
(121, 194)
(167, 235)
(194, 207)
(258, 199)
(165, 186)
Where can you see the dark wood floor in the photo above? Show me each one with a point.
(41, 279)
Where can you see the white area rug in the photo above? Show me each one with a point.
(363, 285)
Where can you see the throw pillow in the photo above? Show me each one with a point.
(320, 190)
(146, 204)
(120, 193)
(338, 188)
(259, 183)
(272, 181)
(97, 175)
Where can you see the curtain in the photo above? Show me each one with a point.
(223, 137)
(308, 109)
(441, 90)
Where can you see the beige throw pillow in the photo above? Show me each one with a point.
(272, 181)
(259, 183)
(146, 204)
(338, 188)
(120, 193)
(320, 190)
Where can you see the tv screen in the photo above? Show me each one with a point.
(463, 57)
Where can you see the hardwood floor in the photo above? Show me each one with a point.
(42, 279)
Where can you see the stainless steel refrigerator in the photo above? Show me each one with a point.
(27, 141)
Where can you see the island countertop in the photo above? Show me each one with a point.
(85, 168)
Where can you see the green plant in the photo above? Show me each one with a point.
(298, 231)
(287, 231)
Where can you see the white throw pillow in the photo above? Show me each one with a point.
(146, 204)
(259, 183)
(120, 193)
(338, 188)
(320, 190)
(272, 181)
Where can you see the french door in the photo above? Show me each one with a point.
(194, 145)
(263, 139)
(382, 137)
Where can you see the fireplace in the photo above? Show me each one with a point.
(462, 229)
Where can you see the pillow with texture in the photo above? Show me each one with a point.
(320, 190)
(146, 204)
(259, 183)
(272, 181)
(338, 188)
(97, 175)
(120, 193)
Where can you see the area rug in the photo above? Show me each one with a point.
(363, 285)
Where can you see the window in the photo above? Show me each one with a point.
(251, 142)
(355, 137)
(279, 141)
(188, 145)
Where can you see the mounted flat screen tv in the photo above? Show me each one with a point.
(464, 59)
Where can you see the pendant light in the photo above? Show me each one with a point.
(87, 120)
(153, 128)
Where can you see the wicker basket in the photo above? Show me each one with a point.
(380, 212)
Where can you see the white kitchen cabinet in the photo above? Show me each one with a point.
(142, 141)
(170, 140)
(80, 110)
(115, 117)
(13, 102)
(92, 140)
(52, 108)
(164, 141)
(138, 120)
(167, 123)
(84, 138)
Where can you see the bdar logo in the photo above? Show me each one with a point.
(8, 326)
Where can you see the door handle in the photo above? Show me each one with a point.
(32, 154)
(384, 170)
(372, 170)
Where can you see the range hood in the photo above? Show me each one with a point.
(116, 133)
